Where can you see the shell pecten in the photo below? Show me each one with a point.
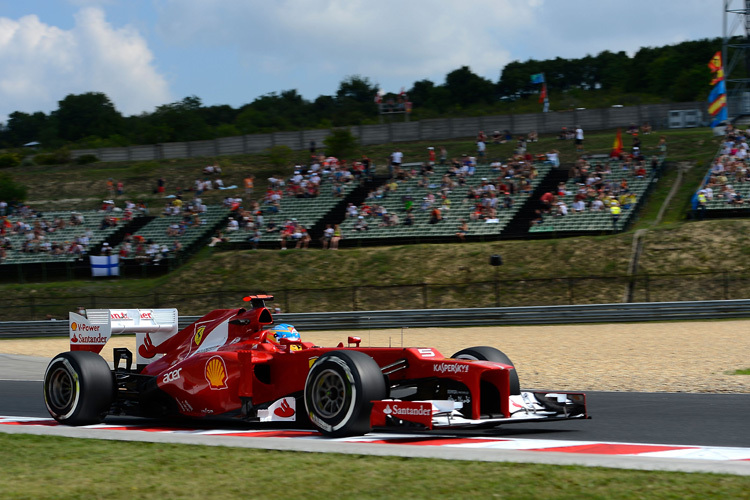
(216, 373)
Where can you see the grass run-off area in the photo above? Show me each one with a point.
(41, 467)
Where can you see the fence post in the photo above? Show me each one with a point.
(354, 298)
(648, 288)
(32, 307)
(424, 296)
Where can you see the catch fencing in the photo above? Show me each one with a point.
(446, 318)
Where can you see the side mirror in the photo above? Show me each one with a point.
(354, 340)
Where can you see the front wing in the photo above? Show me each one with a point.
(529, 406)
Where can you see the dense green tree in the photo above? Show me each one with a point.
(356, 88)
(466, 88)
(180, 121)
(250, 121)
(23, 128)
(86, 115)
(218, 115)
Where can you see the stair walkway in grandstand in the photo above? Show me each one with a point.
(307, 211)
(156, 230)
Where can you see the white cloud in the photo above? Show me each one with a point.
(388, 41)
(42, 64)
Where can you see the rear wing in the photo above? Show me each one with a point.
(92, 331)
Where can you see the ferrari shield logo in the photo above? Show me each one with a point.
(199, 335)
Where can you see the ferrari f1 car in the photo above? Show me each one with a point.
(232, 362)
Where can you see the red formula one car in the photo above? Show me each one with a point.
(232, 362)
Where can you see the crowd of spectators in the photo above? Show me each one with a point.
(258, 218)
(729, 169)
(596, 187)
(437, 181)
(145, 251)
(29, 231)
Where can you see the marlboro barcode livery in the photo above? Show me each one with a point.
(236, 363)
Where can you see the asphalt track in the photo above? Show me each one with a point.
(715, 424)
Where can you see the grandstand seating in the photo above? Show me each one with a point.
(735, 176)
(460, 208)
(307, 211)
(91, 220)
(156, 230)
(596, 221)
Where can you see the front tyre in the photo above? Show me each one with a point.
(486, 353)
(78, 388)
(339, 391)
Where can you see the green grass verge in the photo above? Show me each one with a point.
(41, 467)
(741, 372)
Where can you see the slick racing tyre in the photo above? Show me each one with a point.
(485, 353)
(338, 392)
(78, 388)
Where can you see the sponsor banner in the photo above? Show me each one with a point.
(384, 413)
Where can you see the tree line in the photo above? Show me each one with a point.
(673, 73)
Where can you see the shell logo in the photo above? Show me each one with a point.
(216, 373)
(199, 335)
(74, 326)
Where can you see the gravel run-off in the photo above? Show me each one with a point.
(699, 356)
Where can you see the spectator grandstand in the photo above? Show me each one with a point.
(725, 189)
(435, 206)
(584, 204)
(292, 204)
(30, 237)
(166, 236)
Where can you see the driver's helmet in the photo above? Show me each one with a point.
(282, 331)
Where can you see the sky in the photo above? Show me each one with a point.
(146, 53)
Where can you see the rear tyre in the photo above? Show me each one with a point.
(339, 391)
(78, 388)
(486, 353)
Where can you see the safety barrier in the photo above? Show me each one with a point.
(492, 316)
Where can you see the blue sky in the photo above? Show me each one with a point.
(145, 53)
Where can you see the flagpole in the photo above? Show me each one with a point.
(724, 48)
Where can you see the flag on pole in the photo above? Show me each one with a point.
(543, 93)
(721, 116)
(717, 99)
(617, 146)
(717, 67)
(537, 78)
(105, 265)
